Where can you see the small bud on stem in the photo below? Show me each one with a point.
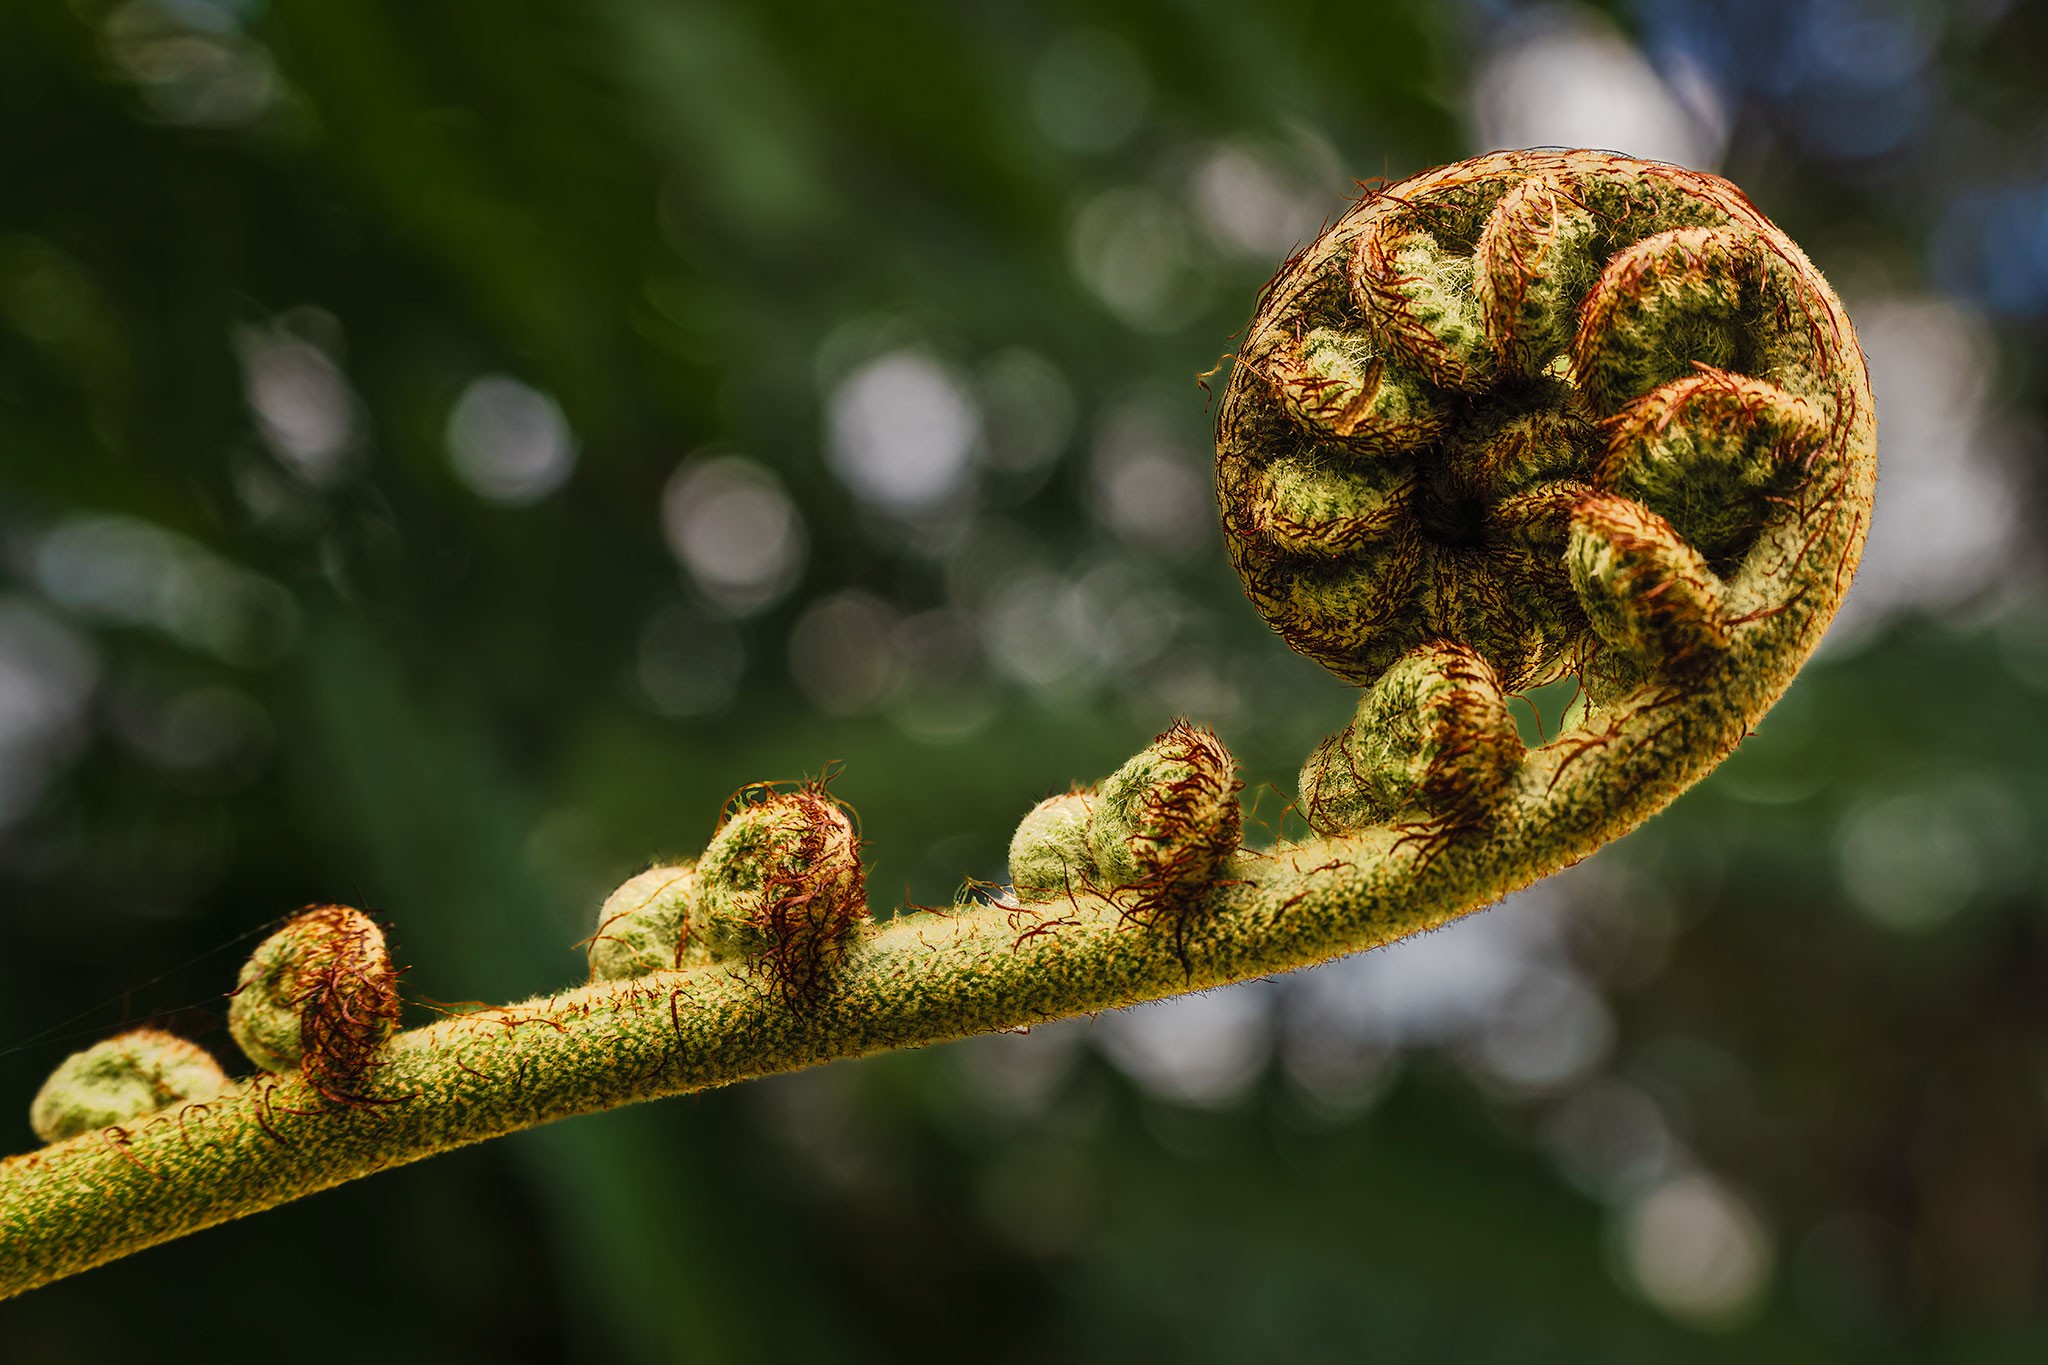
(127, 1077)
(319, 994)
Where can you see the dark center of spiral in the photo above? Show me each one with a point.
(1453, 518)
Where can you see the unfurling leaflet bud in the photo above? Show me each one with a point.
(1049, 855)
(1433, 387)
(1707, 448)
(1648, 594)
(126, 1077)
(1433, 736)
(1672, 301)
(1535, 261)
(319, 994)
(1167, 820)
(649, 924)
(1423, 292)
(1334, 380)
(781, 884)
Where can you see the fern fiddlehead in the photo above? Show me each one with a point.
(1533, 415)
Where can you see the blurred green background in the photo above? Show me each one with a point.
(447, 447)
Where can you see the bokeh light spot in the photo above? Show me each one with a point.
(305, 410)
(509, 443)
(1697, 1251)
(733, 528)
(1569, 80)
(902, 431)
(1204, 1049)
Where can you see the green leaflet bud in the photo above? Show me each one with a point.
(126, 1077)
(1650, 596)
(1363, 610)
(1418, 301)
(1700, 451)
(1535, 263)
(1167, 820)
(1661, 306)
(1334, 383)
(1049, 855)
(1330, 509)
(781, 884)
(1433, 735)
(649, 925)
(319, 994)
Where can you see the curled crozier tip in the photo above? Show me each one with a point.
(651, 923)
(781, 886)
(1536, 416)
(120, 1079)
(319, 995)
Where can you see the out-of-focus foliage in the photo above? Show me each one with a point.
(446, 447)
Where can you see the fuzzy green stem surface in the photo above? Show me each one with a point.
(918, 979)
